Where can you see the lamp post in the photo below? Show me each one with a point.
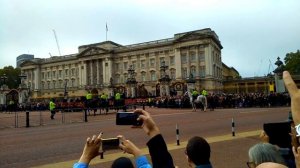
(164, 80)
(131, 82)
(278, 76)
(3, 89)
(23, 90)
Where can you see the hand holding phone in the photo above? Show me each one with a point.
(128, 118)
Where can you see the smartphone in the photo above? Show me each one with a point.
(110, 143)
(128, 118)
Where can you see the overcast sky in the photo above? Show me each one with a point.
(252, 32)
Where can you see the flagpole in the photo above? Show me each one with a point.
(106, 31)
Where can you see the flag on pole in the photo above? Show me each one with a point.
(106, 27)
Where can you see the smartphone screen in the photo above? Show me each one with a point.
(110, 143)
(127, 118)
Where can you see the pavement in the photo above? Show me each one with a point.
(61, 144)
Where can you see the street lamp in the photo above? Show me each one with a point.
(131, 82)
(278, 76)
(164, 80)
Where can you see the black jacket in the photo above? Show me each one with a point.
(160, 156)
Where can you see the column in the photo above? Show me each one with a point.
(98, 72)
(79, 82)
(188, 69)
(32, 82)
(197, 62)
(91, 72)
(105, 80)
(178, 63)
(208, 61)
(37, 78)
(84, 74)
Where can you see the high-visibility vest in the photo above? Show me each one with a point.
(118, 96)
(195, 93)
(204, 92)
(51, 105)
(89, 96)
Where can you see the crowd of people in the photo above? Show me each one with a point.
(274, 151)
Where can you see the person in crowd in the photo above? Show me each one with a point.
(93, 145)
(129, 147)
(198, 153)
(264, 152)
(295, 109)
(52, 108)
(122, 162)
(160, 156)
(271, 165)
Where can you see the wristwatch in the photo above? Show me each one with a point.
(297, 127)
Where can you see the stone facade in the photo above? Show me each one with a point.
(102, 67)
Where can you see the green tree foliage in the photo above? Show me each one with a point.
(12, 76)
(292, 61)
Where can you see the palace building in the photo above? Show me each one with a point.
(103, 67)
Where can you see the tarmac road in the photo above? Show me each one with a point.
(61, 145)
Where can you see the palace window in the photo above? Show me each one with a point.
(43, 75)
(134, 64)
(126, 66)
(117, 66)
(193, 71)
(53, 74)
(172, 73)
(66, 72)
(172, 60)
(202, 71)
(152, 62)
(202, 56)
(184, 73)
(73, 71)
(192, 56)
(59, 73)
(161, 59)
(183, 58)
(143, 75)
(143, 64)
(61, 84)
(153, 75)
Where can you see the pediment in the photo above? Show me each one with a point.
(191, 36)
(27, 63)
(92, 51)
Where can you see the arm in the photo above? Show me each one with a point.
(161, 158)
(295, 96)
(90, 151)
(129, 147)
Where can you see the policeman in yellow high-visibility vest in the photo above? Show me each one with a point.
(88, 97)
(117, 100)
(52, 108)
(204, 92)
(104, 101)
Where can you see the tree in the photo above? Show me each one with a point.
(12, 74)
(292, 61)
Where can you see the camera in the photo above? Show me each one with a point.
(110, 143)
(128, 118)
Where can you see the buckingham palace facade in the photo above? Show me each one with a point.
(102, 67)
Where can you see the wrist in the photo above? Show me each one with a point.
(84, 159)
(154, 132)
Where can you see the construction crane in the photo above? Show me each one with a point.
(56, 42)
